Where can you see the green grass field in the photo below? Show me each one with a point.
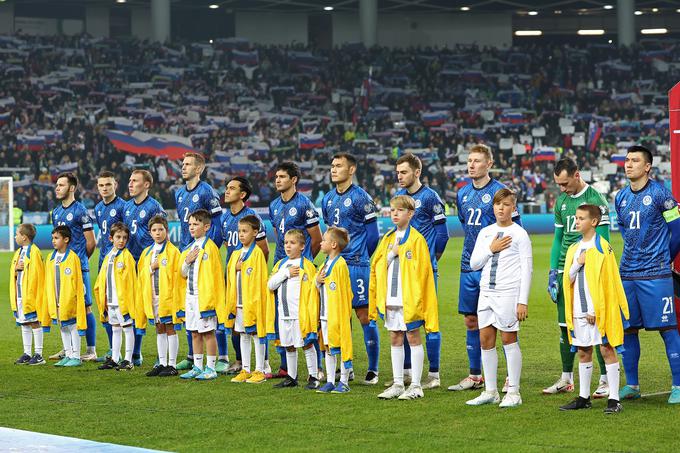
(169, 414)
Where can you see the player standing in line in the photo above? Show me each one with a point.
(293, 211)
(575, 192)
(475, 211)
(236, 193)
(350, 207)
(73, 215)
(503, 255)
(107, 212)
(191, 197)
(138, 210)
(649, 222)
(430, 221)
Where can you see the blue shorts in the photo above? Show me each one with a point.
(88, 288)
(359, 276)
(650, 303)
(468, 292)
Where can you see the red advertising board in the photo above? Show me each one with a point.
(674, 130)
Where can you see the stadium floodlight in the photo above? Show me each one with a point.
(533, 13)
(121, 1)
(638, 13)
(7, 213)
(608, 7)
(214, 6)
(528, 33)
(465, 8)
(654, 31)
(328, 8)
(595, 32)
(655, 10)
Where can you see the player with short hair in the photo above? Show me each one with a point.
(503, 255)
(74, 216)
(293, 211)
(430, 221)
(107, 212)
(475, 211)
(575, 192)
(26, 293)
(350, 207)
(138, 210)
(649, 221)
(237, 191)
(192, 196)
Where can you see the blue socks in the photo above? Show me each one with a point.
(137, 351)
(190, 341)
(631, 357)
(221, 343)
(282, 353)
(407, 354)
(433, 344)
(319, 354)
(236, 343)
(672, 340)
(109, 333)
(372, 342)
(91, 332)
(474, 351)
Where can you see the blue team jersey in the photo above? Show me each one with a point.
(76, 218)
(475, 211)
(229, 229)
(137, 218)
(352, 210)
(298, 213)
(429, 212)
(200, 197)
(106, 215)
(646, 237)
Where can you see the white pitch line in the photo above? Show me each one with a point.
(644, 395)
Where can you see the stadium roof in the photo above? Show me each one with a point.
(389, 6)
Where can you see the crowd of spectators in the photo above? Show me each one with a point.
(248, 107)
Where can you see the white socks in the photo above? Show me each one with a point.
(246, 349)
(312, 362)
(198, 361)
(66, 341)
(259, 354)
(129, 342)
(344, 372)
(585, 374)
(116, 342)
(398, 364)
(162, 347)
(513, 356)
(211, 359)
(292, 361)
(38, 340)
(417, 359)
(75, 341)
(613, 377)
(490, 367)
(569, 377)
(27, 338)
(173, 347)
(330, 367)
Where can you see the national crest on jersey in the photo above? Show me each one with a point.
(203, 196)
(429, 212)
(137, 218)
(351, 210)
(229, 229)
(646, 237)
(298, 213)
(106, 215)
(75, 217)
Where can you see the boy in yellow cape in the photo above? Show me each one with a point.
(65, 296)
(595, 304)
(116, 294)
(402, 292)
(291, 282)
(332, 300)
(26, 298)
(202, 295)
(249, 301)
(158, 272)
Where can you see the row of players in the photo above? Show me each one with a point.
(350, 207)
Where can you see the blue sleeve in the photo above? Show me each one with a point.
(372, 237)
(460, 212)
(517, 218)
(215, 232)
(669, 207)
(441, 238)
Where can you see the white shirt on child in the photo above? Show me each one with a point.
(395, 295)
(111, 293)
(323, 294)
(19, 284)
(192, 271)
(583, 302)
(239, 283)
(155, 288)
(287, 290)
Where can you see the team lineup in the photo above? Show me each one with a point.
(144, 280)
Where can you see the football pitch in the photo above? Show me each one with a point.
(171, 414)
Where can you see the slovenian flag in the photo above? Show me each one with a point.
(51, 135)
(594, 134)
(512, 117)
(237, 128)
(154, 119)
(433, 119)
(245, 58)
(122, 124)
(31, 142)
(618, 159)
(462, 182)
(159, 145)
(544, 154)
(4, 118)
(311, 141)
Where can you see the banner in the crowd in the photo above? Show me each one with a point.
(160, 145)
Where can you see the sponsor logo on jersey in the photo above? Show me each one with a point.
(142, 214)
(69, 217)
(603, 209)
(409, 255)
(214, 202)
(464, 198)
(624, 203)
(669, 204)
(127, 213)
(67, 271)
(564, 207)
(119, 265)
(276, 211)
(113, 213)
(332, 286)
(347, 202)
(179, 200)
(84, 219)
(249, 270)
(164, 262)
(329, 203)
(292, 212)
(309, 213)
(368, 208)
(195, 198)
(418, 204)
(437, 208)
(647, 200)
(99, 213)
(486, 198)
